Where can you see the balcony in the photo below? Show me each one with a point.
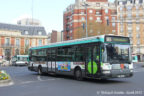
(68, 36)
(67, 29)
(67, 17)
(98, 13)
(8, 45)
(113, 13)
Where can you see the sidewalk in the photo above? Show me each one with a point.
(6, 82)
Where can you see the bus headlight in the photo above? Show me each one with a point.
(131, 66)
(106, 66)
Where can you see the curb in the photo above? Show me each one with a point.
(6, 82)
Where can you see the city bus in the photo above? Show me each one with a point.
(20, 60)
(98, 57)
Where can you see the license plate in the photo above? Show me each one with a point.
(121, 76)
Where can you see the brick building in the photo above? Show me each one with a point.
(131, 18)
(56, 36)
(99, 11)
(16, 39)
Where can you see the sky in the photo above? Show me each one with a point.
(49, 12)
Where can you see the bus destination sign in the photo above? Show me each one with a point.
(117, 39)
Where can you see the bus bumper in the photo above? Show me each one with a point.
(117, 74)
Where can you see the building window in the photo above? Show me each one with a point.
(17, 42)
(137, 28)
(106, 17)
(90, 18)
(137, 15)
(130, 35)
(113, 18)
(137, 7)
(71, 18)
(40, 42)
(113, 31)
(121, 16)
(71, 37)
(98, 4)
(129, 8)
(113, 24)
(129, 15)
(138, 35)
(138, 42)
(129, 28)
(106, 11)
(26, 42)
(33, 42)
(17, 52)
(39, 33)
(121, 8)
(121, 30)
(83, 18)
(91, 31)
(106, 5)
(90, 11)
(98, 19)
(137, 1)
(121, 3)
(82, 13)
(71, 24)
(7, 41)
(26, 32)
(97, 13)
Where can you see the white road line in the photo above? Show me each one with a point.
(40, 79)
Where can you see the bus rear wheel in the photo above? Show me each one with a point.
(78, 75)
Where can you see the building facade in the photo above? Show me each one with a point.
(56, 36)
(131, 23)
(97, 11)
(17, 39)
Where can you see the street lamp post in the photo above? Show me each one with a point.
(86, 5)
(62, 35)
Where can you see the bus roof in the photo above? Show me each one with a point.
(75, 42)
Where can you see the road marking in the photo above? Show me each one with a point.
(40, 79)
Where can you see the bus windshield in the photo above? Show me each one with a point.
(116, 53)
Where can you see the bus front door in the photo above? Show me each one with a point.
(92, 61)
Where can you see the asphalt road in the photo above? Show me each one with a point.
(27, 83)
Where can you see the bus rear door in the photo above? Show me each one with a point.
(51, 65)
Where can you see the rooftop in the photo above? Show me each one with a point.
(25, 30)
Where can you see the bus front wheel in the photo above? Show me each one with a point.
(78, 75)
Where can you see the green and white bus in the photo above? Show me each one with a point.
(20, 60)
(103, 57)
